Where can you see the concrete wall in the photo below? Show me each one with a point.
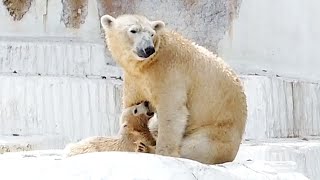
(58, 79)
(253, 36)
(280, 37)
(266, 37)
(46, 18)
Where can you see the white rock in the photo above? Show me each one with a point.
(265, 170)
(71, 107)
(306, 98)
(304, 152)
(281, 108)
(75, 107)
(55, 56)
(27, 143)
(270, 107)
(127, 166)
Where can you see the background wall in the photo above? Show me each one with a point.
(265, 37)
(280, 37)
(57, 79)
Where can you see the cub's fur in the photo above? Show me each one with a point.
(134, 135)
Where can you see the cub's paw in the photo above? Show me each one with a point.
(141, 147)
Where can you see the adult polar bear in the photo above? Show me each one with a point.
(199, 100)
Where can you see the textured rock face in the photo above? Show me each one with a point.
(17, 8)
(306, 108)
(54, 58)
(204, 21)
(72, 107)
(74, 12)
(281, 108)
(19, 143)
(302, 151)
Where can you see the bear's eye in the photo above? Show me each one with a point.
(133, 31)
(152, 35)
(135, 111)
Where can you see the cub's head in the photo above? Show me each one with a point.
(139, 111)
(132, 37)
(134, 123)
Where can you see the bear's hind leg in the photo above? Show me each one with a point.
(203, 147)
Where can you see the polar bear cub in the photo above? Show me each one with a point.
(134, 135)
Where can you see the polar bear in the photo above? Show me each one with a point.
(199, 100)
(134, 135)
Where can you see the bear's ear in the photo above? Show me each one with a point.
(107, 21)
(157, 25)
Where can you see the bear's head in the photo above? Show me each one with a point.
(132, 37)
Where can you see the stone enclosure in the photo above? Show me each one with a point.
(59, 84)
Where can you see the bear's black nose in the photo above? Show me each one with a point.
(149, 51)
(146, 104)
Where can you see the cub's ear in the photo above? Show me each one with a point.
(157, 25)
(107, 21)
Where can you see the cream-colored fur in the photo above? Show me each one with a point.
(153, 126)
(199, 100)
(134, 135)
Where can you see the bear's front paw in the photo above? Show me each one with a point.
(173, 152)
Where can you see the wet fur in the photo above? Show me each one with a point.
(199, 100)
